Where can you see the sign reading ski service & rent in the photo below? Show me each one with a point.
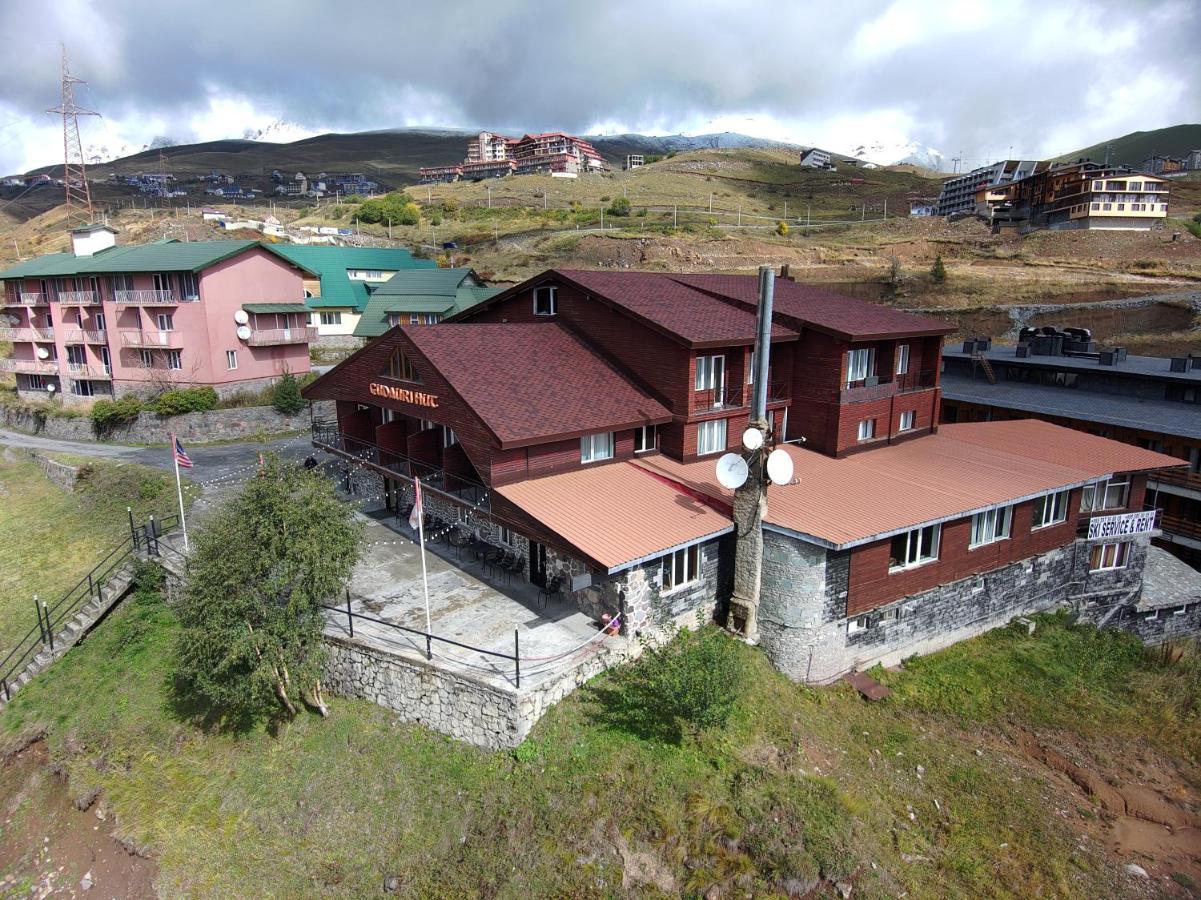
(1120, 526)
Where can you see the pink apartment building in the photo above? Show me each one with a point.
(106, 320)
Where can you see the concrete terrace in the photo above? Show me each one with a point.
(466, 605)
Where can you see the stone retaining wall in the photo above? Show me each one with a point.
(454, 703)
(60, 474)
(151, 428)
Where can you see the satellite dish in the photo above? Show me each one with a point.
(241, 317)
(50, 389)
(732, 471)
(243, 332)
(752, 438)
(779, 467)
(43, 352)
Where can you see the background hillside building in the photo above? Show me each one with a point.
(105, 320)
(1080, 196)
(960, 194)
(576, 419)
(1062, 376)
(495, 156)
(422, 296)
(814, 158)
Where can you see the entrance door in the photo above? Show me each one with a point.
(538, 563)
(392, 495)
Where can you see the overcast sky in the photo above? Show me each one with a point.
(1042, 77)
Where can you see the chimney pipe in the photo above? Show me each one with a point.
(767, 289)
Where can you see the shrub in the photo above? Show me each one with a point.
(177, 401)
(641, 213)
(938, 271)
(287, 400)
(111, 414)
(782, 228)
(450, 205)
(619, 207)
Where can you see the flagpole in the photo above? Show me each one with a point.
(179, 491)
(425, 585)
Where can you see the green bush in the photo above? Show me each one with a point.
(398, 209)
(782, 228)
(178, 401)
(938, 271)
(619, 207)
(110, 414)
(286, 398)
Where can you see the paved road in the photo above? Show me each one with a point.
(211, 462)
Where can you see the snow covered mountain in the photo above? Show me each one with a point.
(909, 153)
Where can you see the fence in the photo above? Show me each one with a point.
(52, 616)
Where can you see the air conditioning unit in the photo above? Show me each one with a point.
(1023, 351)
(871, 380)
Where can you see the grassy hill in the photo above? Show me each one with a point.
(1131, 149)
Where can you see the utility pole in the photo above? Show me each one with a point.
(711, 203)
(885, 207)
(75, 177)
(675, 215)
(862, 212)
(808, 207)
(489, 196)
(739, 215)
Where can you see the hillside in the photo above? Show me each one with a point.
(1131, 149)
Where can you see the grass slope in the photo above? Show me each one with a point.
(1132, 149)
(910, 795)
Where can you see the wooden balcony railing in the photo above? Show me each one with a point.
(1189, 528)
(304, 334)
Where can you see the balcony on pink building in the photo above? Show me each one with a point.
(89, 370)
(275, 336)
(152, 339)
(29, 366)
(25, 298)
(79, 298)
(85, 336)
(147, 297)
(26, 334)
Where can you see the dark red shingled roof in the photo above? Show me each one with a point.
(533, 382)
(691, 315)
(822, 309)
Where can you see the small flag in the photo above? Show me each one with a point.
(415, 515)
(181, 455)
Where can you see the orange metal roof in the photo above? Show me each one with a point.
(961, 469)
(616, 514)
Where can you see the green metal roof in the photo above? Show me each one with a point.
(161, 256)
(443, 291)
(331, 263)
(263, 308)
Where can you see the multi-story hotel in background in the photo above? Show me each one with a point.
(103, 320)
(492, 155)
(1082, 195)
(959, 194)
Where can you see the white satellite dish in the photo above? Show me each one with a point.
(244, 332)
(779, 467)
(241, 317)
(752, 438)
(732, 471)
(50, 389)
(43, 352)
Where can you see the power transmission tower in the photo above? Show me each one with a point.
(75, 178)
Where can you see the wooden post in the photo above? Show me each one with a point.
(517, 655)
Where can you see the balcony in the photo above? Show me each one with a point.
(152, 339)
(79, 298)
(145, 298)
(24, 298)
(1179, 525)
(712, 399)
(83, 336)
(29, 366)
(26, 334)
(87, 370)
(916, 381)
(275, 336)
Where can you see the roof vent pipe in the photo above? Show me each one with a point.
(767, 290)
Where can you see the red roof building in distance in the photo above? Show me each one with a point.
(576, 418)
(492, 155)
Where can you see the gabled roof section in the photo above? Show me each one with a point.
(332, 263)
(160, 256)
(823, 310)
(445, 292)
(551, 386)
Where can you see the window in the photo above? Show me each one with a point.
(174, 359)
(902, 359)
(1051, 509)
(76, 355)
(1105, 557)
(331, 318)
(907, 420)
(189, 287)
(711, 437)
(231, 359)
(990, 526)
(595, 447)
(400, 366)
(106, 360)
(146, 359)
(546, 301)
(861, 364)
(166, 322)
(83, 389)
(858, 624)
(504, 535)
(646, 438)
(867, 429)
(750, 367)
(681, 568)
(710, 373)
(35, 382)
(162, 281)
(914, 548)
(1112, 493)
(98, 321)
(122, 283)
(449, 438)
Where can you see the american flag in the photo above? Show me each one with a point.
(415, 515)
(181, 455)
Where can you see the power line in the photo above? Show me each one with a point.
(75, 176)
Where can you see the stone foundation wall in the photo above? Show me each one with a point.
(60, 474)
(804, 629)
(151, 428)
(453, 703)
(1179, 623)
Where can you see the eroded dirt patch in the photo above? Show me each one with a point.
(50, 847)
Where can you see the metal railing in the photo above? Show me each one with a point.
(86, 370)
(83, 336)
(51, 617)
(305, 334)
(78, 298)
(29, 366)
(26, 334)
(138, 338)
(394, 464)
(145, 296)
(430, 639)
(916, 381)
(29, 298)
(717, 398)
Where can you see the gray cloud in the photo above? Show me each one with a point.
(954, 75)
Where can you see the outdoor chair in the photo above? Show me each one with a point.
(552, 588)
(516, 565)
